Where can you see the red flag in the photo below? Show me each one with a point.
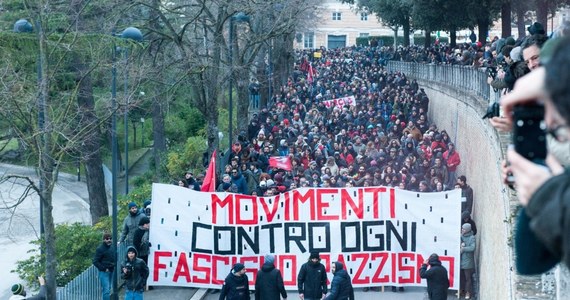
(281, 162)
(209, 184)
(310, 74)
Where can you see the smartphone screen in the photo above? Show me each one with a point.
(529, 132)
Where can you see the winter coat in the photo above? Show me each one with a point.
(467, 192)
(130, 225)
(104, 259)
(452, 160)
(541, 236)
(467, 260)
(141, 242)
(40, 296)
(235, 288)
(341, 286)
(241, 183)
(269, 283)
(437, 280)
(312, 280)
(135, 278)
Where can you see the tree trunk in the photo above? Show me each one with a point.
(242, 108)
(262, 75)
(395, 30)
(406, 28)
(90, 149)
(46, 161)
(158, 134)
(483, 25)
(506, 19)
(427, 41)
(158, 130)
(91, 143)
(453, 38)
(521, 30)
(542, 13)
(283, 58)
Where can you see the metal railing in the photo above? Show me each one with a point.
(86, 286)
(463, 78)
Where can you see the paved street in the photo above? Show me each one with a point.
(411, 293)
(20, 225)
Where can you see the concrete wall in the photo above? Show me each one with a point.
(479, 147)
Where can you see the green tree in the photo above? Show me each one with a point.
(483, 13)
(393, 13)
(448, 15)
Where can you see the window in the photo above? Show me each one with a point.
(363, 16)
(337, 16)
(309, 40)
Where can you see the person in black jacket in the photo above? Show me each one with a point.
(341, 286)
(312, 279)
(141, 239)
(134, 272)
(104, 260)
(236, 284)
(269, 281)
(466, 218)
(436, 276)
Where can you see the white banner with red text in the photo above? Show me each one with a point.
(381, 234)
(340, 102)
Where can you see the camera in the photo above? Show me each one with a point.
(494, 110)
(491, 72)
(128, 266)
(529, 135)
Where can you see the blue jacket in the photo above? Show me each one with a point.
(241, 183)
(341, 286)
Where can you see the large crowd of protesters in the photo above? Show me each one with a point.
(382, 138)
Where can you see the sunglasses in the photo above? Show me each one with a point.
(108, 239)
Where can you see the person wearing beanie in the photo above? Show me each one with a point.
(141, 239)
(135, 273)
(436, 276)
(130, 224)
(466, 219)
(269, 281)
(236, 284)
(467, 261)
(341, 285)
(104, 260)
(312, 279)
(19, 292)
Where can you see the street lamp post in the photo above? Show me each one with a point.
(130, 34)
(23, 26)
(135, 34)
(114, 161)
(239, 17)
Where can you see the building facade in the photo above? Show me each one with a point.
(339, 25)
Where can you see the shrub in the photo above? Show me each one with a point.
(75, 246)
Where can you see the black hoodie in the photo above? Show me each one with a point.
(235, 288)
(269, 283)
(437, 280)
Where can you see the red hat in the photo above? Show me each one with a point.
(286, 122)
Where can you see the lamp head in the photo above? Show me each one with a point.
(23, 25)
(132, 33)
